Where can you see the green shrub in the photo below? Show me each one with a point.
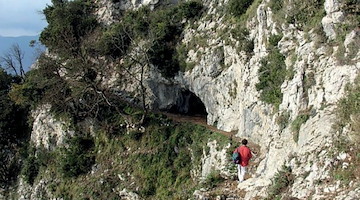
(306, 13)
(68, 24)
(274, 40)
(115, 41)
(283, 120)
(271, 76)
(241, 34)
(282, 180)
(190, 9)
(238, 7)
(31, 167)
(213, 180)
(78, 157)
(276, 5)
(163, 27)
(296, 124)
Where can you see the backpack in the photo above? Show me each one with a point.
(236, 157)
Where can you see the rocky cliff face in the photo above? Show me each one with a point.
(232, 101)
(225, 79)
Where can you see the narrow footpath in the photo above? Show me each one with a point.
(227, 188)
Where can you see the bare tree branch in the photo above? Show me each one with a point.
(18, 55)
(9, 63)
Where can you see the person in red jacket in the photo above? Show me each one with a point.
(245, 156)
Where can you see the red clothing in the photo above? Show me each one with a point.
(245, 154)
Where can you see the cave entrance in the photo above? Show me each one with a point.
(189, 104)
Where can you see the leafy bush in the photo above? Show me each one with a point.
(282, 180)
(238, 7)
(241, 34)
(30, 169)
(276, 5)
(43, 85)
(213, 179)
(116, 39)
(306, 13)
(274, 40)
(296, 124)
(347, 112)
(78, 157)
(163, 27)
(271, 76)
(68, 23)
(190, 10)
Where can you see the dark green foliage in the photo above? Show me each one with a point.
(190, 10)
(276, 5)
(162, 168)
(352, 7)
(241, 34)
(43, 85)
(163, 26)
(306, 12)
(68, 23)
(282, 180)
(213, 179)
(296, 124)
(78, 157)
(239, 7)
(274, 40)
(271, 75)
(116, 40)
(14, 132)
(30, 168)
(166, 26)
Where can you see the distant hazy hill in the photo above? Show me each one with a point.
(23, 41)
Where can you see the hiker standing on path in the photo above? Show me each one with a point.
(245, 156)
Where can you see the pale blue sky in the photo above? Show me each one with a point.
(22, 17)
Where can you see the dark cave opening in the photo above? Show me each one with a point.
(189, 104)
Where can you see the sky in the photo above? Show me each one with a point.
(22, 17)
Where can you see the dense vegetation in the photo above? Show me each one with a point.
(14, 132)
(156, 163)
(162, 29)
(272, 73)
(69, 22)
(158, 159)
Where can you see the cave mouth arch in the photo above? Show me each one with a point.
(189, 104)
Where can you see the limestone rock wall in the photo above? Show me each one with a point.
(224, 78)
(242, 110)
(47, 131)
